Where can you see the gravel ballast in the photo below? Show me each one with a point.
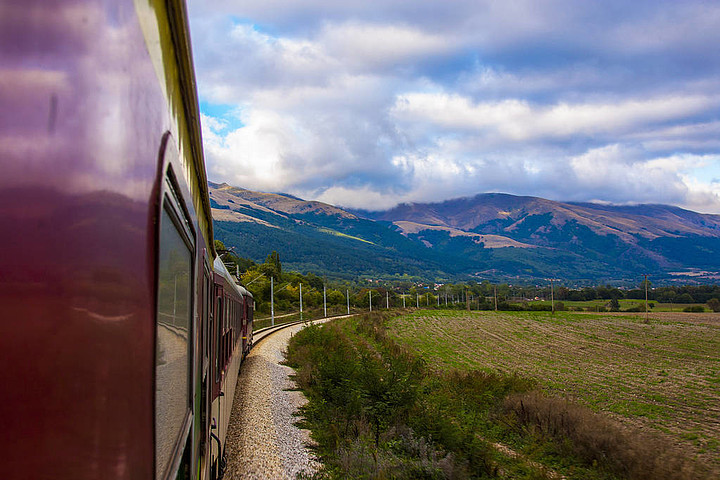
(262, 440)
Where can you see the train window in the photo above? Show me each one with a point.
(174, 320)
(227, 318)
(218, 350)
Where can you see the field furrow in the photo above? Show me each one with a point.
(663, 375)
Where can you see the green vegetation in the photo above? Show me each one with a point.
(339, 244)
(378, 410)
(664, 375)
(286, 288)
(404, 290)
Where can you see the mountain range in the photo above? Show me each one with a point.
(493, 236)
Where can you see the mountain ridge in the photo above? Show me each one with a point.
(498, 235)
(591, 214)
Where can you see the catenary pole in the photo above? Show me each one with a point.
(646, 299)
(272, 302)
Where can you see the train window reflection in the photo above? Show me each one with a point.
(172, 348)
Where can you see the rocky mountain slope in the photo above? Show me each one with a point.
(493, 236)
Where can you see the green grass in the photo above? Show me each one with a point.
(625, 304)
(378, 410)
(663, 375)
(344, 235)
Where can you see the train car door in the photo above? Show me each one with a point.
(174, 331)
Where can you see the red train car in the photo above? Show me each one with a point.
(230, 337)
(113, 355)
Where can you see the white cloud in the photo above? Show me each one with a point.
(615, 169)
(364, 197)
(373, 46)
(516, 119)
(416, 101)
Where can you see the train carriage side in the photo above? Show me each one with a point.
(107, 282)
(246, 329)
(229, 317)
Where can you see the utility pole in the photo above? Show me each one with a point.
(301, 312)
(347, 296)
(325, 300)
(646, 299)
(272, 302)
(387, 300)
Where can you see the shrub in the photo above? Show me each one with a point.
(714, 304)
(598, 440)
(511, 307)
(373, 411)
(377, 411)
(540, 307)
(614, 305)
(694, 309)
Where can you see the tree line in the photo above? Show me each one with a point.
(256, 277)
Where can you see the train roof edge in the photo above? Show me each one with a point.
(222, 270)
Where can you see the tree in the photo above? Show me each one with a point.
(334, 297)
(714, 304)
(614, 305)
(274, 260)
(314, 281)
(272, 266)
(684, 298)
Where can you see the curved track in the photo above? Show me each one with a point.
(263, 441)
(262, 333)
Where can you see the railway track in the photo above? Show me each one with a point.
(262, 333)
(263, 441)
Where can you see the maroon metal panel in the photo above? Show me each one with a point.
(216, 332)
(81, 120)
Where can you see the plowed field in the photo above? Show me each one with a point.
(663, 375)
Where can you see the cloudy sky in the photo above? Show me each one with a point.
(368, 104)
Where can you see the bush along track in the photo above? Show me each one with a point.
(376, 411)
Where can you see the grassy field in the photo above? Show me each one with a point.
(624, 305)
(592, 305)
(664, 375)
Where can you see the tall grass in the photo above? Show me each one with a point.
(377, 411)
(599, 441)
